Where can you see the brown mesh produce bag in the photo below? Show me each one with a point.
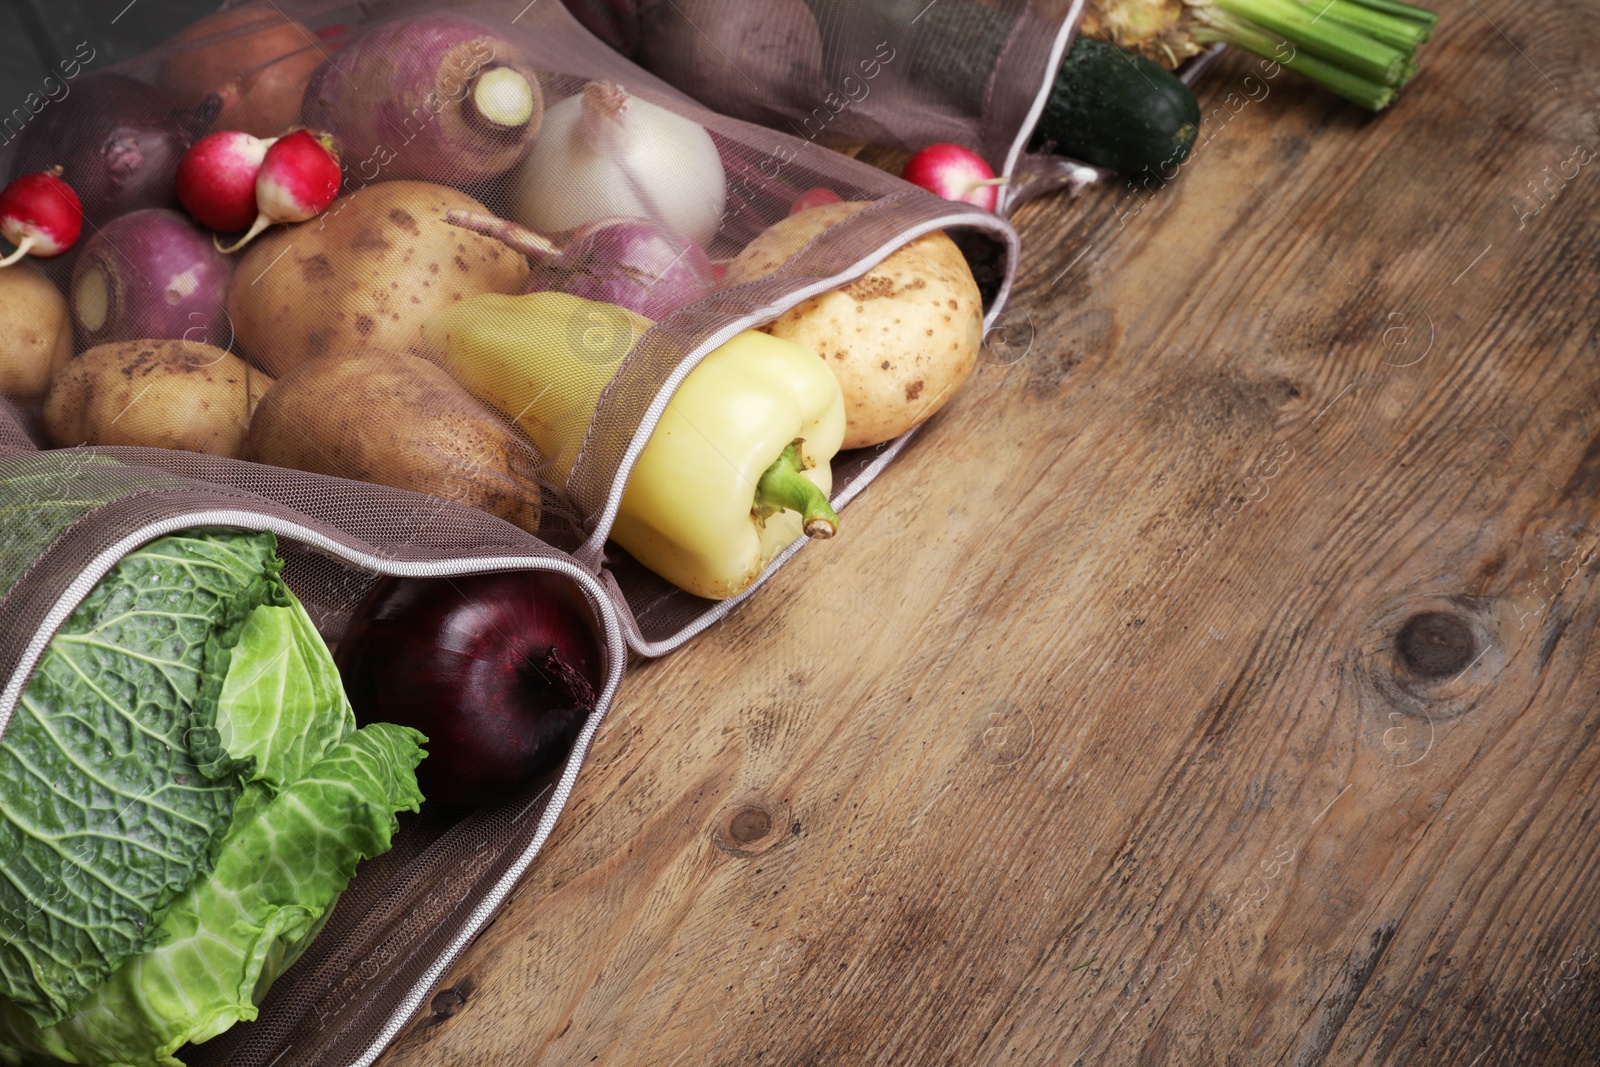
(474, 493)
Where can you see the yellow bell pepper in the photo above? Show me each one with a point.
(736, 470)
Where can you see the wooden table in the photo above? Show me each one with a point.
(1214, 682)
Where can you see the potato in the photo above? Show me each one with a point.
(397, 420)
(363, 275)
(901, 339)
(157, 394)
(35, 332)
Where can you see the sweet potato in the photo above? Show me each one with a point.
(901, 338)
(363, 276)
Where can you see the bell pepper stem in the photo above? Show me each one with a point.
(783, 488)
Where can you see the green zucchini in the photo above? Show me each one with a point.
(1117, 109)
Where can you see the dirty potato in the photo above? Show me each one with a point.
(154, 394)
(901, 338)
(363, 275)
(397, 420)
(37, 336)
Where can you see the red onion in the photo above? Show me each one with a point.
(498, 670)
(117, 141)
(151, 275)
(629, 262)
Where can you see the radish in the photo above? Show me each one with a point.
(217, 179)
(955, 173)
(813, 198)
(117, 140)
(298, 179)
(41, 215)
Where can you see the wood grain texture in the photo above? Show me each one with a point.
(1213, 682)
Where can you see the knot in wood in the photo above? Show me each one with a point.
(753, 827)
(1435, 644)
(749, 825)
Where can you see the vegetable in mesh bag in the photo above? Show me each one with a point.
(738, 467)
(183, 795)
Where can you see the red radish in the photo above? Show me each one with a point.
(955, 173)
(217, 179)
(298, 179)
(814, 198)
(41, 215)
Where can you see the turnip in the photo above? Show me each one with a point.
(632, 263)
(217, 179)
(117, 142)
(150, 275)
(955, 173)
(41, 215)
(298, 179)
(439, 97)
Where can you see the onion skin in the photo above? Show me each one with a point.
(117, 141)
(399, 99)
(500, 671)
(628, 262)
(162, 278)
(255, 59)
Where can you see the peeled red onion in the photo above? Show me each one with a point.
(117, 141)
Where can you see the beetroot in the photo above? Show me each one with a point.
(151, 275)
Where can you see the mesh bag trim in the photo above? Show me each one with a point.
(91, 573)
(600, 601)
(1064, 37)
(591, 552)
(723, 608)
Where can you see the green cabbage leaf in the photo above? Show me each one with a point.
(185, 764)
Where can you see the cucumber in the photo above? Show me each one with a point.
(1117, 109)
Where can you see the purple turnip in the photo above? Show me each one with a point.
(630, 262)
(151, 275)
(436, 97)
(117, 141)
